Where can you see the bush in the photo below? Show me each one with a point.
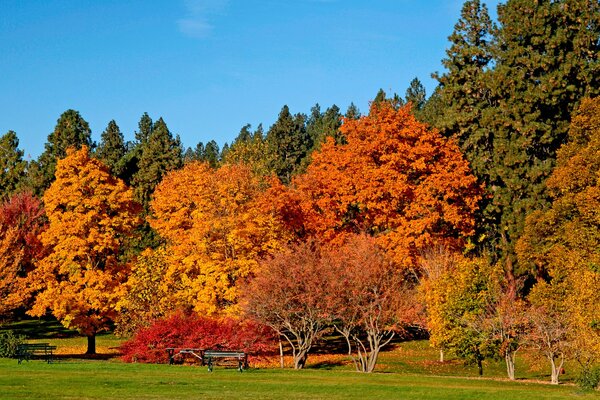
(193, 331)
(589, 378)
(8, 344)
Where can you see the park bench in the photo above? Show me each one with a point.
(238, 357)
(27, 351)
(173, 351)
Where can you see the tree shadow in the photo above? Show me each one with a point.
(40, 328)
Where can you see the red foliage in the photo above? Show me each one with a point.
(194, 331)
(26, 213)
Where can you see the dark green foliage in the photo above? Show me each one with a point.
(507, 97)
(589, 378)
(145, 127)
(546, 56)
(12, 166)
(288, 144)
(416, 95)
(9, 342)
(158, 154)
(321, 125)
(211, 154)
(352, 112)
(111, 149)
(71, 131)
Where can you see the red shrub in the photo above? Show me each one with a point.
(193, 331)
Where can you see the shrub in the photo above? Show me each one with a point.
(193, 331)
(8, 343)
(589, 378)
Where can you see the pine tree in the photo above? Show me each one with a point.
(288, 143)
(416, 95)
(71, 131)
(352, 112)
(12, 166)
(546, 56)
(160, 153)
(211, 154)
(321, 125)
(111, 149)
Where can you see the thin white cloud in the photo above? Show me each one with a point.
(196, 23)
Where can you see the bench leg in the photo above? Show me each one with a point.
(210, 364)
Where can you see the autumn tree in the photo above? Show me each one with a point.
(146, 297)
(21, 221)
(368, 300)
(250, 148)
(90, 213)
(436, 262)
(394, 179)
(288, 295)
(12, 165)
(215, 232)
(561, 243)
(470, 300)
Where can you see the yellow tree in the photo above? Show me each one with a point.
(216, 232)
(90, 213)
(563, 242)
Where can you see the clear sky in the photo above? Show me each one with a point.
(208, 67)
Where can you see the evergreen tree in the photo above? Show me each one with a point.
(12, 166)
(416, 95)
(321, 125)
(211, 154)
(71, 131)
(352, 112)
(160, 153)
(129, 163)
(288, 144)
(111, 149)
(145, 127)
(546, 56)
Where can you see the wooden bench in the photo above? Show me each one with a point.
(173, 351)
(240, 358)
(26, 351)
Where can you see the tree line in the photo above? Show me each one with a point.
(483, 197)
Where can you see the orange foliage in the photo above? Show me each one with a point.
(215, 232)
(395, 179)
(90, 213)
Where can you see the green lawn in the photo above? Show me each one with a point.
(407, 370)
(78, 379)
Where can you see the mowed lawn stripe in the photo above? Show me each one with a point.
(114, 380)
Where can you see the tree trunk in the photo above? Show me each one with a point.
(509, 356)
(480, 366)
(300, 359)
(281, 363)
(556, 369)
(441, 355)
(91, 344)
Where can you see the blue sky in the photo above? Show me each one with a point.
(208, 67)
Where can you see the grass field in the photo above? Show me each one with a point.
(408, 370)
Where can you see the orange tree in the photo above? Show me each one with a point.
(393, 178)
(90, 213)
(215, 232)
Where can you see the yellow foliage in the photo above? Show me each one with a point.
(90, 213)
(215, 231)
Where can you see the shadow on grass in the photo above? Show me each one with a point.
(39, 328)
